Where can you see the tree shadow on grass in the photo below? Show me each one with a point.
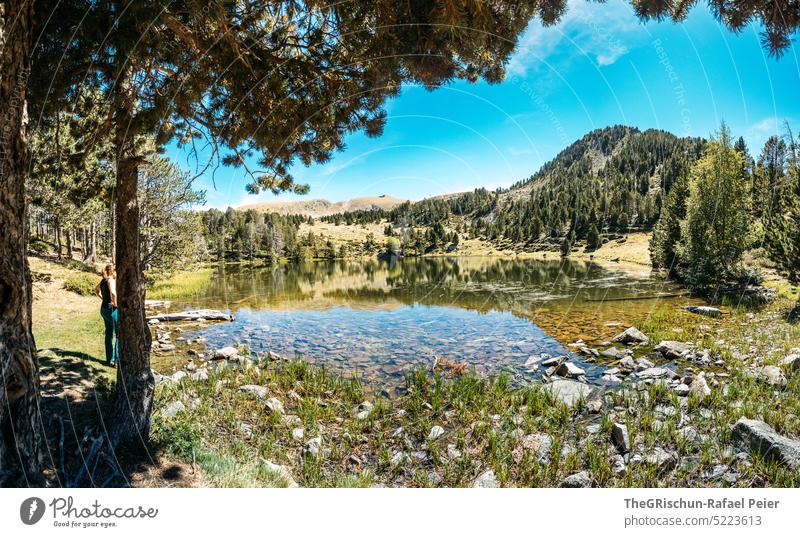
(77, 392)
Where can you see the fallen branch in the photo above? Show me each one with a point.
(195, 315)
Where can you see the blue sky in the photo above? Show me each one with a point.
(599, 66)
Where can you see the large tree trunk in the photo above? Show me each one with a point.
(135, 385)
(58, 237)
(68, 234)
(20, 421)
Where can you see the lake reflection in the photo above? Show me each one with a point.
(382, 317)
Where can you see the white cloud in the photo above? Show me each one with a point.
(602, 31)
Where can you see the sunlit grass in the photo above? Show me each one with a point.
(183, 284)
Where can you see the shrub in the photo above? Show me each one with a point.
(83, 283)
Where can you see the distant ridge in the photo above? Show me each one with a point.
(321, 207)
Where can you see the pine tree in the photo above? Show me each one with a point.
(715, 233)
(783, 223)
(664, 244)
(593, 238)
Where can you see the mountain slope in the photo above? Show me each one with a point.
(610, 181)
(321, 207)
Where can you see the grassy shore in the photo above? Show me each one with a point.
(305, 425)
(324, 430)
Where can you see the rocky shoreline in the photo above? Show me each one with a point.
(653, 417)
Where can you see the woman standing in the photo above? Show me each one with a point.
(107, 291)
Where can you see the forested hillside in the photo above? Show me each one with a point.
(611, 180)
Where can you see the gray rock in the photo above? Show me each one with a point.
(699, 387)
(172, 409)
(158, 378)
(313, 447)
(791, 362)
(771, 374)
(400, 458)
(664, 460)
(453, 452)
(298, 433)
(612, 352)
(618, 465)
(656, 373)
(593, 428)
(569, 392)
(673, 350)
(487, 480)
(620, 437)
(569, 370)
(540, 444)
(436, 432)
(756, 437)
(178, 376)
(631, 335)
(682, 389)
(225, 353)
(553, 361)
(627, 363)
(254, 389)
(532, 362)
(281, 472)
(200, 375)
(612, 380)
(704, 310)
(275, 405)
(434, 479)
(581, 480)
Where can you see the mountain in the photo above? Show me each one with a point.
(609, 181)
(321, 207)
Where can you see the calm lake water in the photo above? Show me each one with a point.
(380, 318)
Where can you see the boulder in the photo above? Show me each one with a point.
(699, 387)
(581, 480)
(487, 480)
(673, 350)
(569, 392)
(771, 374)
(225, 353)
(631, 335)
(612, 352)
(627, 363)
(756, 437)
(569, 370)
(620, 437)
(704, 310)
